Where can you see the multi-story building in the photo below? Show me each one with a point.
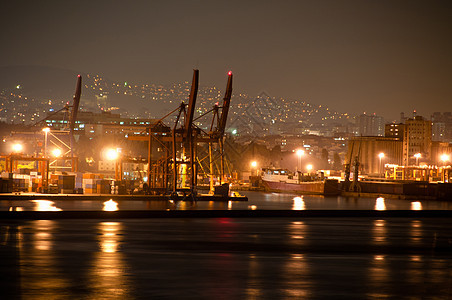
(370, 125)
(394, 130)
(442, 127)
(417, 138)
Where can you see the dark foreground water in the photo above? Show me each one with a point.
(223, 258)
(257, 201)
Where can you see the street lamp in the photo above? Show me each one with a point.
(17, 148)
(56, 152)
(254, 166)
(445, 157)
(417, 156)
(309, 168)
(380, 156)
(113, 155)
(46, 130)
(300, 153)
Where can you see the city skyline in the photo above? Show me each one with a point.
(351, 56)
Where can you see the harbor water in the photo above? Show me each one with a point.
(256, 201)
(229, 258)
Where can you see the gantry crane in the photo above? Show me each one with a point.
(173, 163)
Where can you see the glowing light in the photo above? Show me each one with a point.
(445, 157)
(416, 205)
(110, 205)
(45, 205)
(300, 152)
(109, 242)
(381, 155)
(111, 154)
(298, 203)
(417, 155)
(16, 208)
(254, 164)
(309, 167)
(56, 152)
(46, 129)
(17, 148)
(229, 73)
(380, 204)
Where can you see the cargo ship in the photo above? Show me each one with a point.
(281, 180)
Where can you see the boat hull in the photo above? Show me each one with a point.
(326, 187)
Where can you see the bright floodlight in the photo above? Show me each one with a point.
(381, 155)
(46, 129)
(445, 157)
(56, 152)
(309, 167)
(300, 152)
(17, 148)
(417, 155)
(254, 164)
(112, 154)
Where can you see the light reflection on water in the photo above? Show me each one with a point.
(252, 288)
(296, 277)
(45, 205)
(380, 204)
(379, 277)
(110, 205)
(38, 263)
(303, 269)
(379, 231)
(256, 200)
(109, 276)
(298, 203)
(297, 231)
(416, 231)
(417, 205)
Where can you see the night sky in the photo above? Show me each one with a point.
(353, 56)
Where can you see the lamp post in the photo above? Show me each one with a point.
(380, 156)
(300, 153)
(46, 130)
(113, 155)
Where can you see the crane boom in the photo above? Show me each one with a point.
(73, 117)
(192, 102)
(75, 103)
(226, 103)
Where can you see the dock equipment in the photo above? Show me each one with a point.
(173, 160)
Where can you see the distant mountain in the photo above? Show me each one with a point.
(36, 85)
(42, 83)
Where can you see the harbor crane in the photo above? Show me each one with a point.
(173, 151)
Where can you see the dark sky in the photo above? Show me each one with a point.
(353, 56)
